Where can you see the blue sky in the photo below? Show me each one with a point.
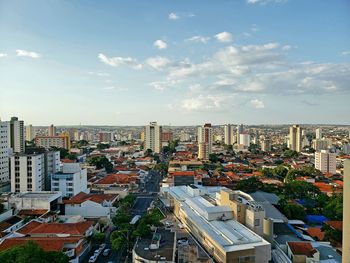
(177, 62)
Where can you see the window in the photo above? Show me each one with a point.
(257, 222)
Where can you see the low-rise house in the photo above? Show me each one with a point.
(302, 252)
(91, 205)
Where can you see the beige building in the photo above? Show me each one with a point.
(16, 135)
(228, 134)
(153, 137)
(326, 162)
(295, 138)
(346, 213)
(51, 130)
(202, 213)
(205, 141)
(266, 145)
(30, 132)
(59, 141)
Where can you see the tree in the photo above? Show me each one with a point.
(280, 171)
(31, 253)
(334, 208)
(101, 162)
(63, 152)
(249, 185)
(98, 237)
(121, 217)
(102, 146)
(71, 156)
(290, 153)
(332, 234)
(82, 143)
(148, 152)
(293, 211)
(213, 158)
(300, 190)
(118, 242)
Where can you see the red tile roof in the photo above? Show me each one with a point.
(183, 173)
(46, 243)
(302, 248)
(32, 212)
(97, 198)
(338, 225)
(74, 229)
(68, 161)
(315, 232)
(117, 179)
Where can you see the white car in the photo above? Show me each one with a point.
(92, 259)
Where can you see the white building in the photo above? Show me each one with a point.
(240, 129)
(52, 165)
(16, 135)
(326, 161)
(295, 138)
(185, 137)
(30, 132)
(228, 134)
(27, 172)
(36, 200)
(244, 139)
(320, 144)
(92, 205)
(266, 145)
(4, 152)
(318, 133)
(153, 137)
(71, 181)
(205, 141)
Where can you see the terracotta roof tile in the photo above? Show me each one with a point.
(97, 198)
(338, 225)
(315, 232)
(302, 248)
(117, 179)
(56, 228)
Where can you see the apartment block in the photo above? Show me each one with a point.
(326, 162)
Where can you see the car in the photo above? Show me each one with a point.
(102, 246)
(182, 242)
(106, 252)
(92, 259)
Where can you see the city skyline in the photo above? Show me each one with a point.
(126, 63)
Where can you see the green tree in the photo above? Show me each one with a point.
(31, 253)
(102, 146)
(82, 143)
(213, 158)
(290, 153)
(300, 190)
(332, 234)
(121, 217)
(148, 153)
(334, 208)
(63, 152)
(280, 171)
(249, 185)
(71, 156)
(101, 162)
(294, 211)
(98, 238)
(118, 242)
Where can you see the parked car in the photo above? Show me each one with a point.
(92, 259)
(102, 246)
(106, 252)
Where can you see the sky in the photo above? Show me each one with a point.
(183, 62)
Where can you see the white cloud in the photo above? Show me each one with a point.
(2, 55)
(160, 44)
(115, 88)
(163, 85)
(25, 53)
(345, 53)
(99, 74)
(158, 62)
(224, 37)
(173, 16)
(286, 47)
(258, 104)
(118, 61)
(177, 16)
(198, 39)
(264, 2)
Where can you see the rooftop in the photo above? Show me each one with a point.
(302, 248)
(39, 195)
(97, 198)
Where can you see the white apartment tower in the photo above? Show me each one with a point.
(326, 161)
(295, 138)
(240, 130)
(205, 141)
(30, 133)
(228, 134)
(318, 133)
(16, 135)
(153, 137)
(4, 152)
(71, 181)
(27, 172)
(266, 145)
(244, 139)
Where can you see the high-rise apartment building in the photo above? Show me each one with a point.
(205, 141)
(153, 137)
(295, 138)
(228, 134)
(244, 139)
(326, 162)
(105, 137)
(346, 213)
(266, 145)
(185, 137)
(16, 135)
(30, 133)
(167, 136)
(240, 130)
(320, 144)
(4, 152)
(318, 133)
(27, 172)
(52, 130)
(59, 141)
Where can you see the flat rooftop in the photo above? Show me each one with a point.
(41, 195)
(165, 251)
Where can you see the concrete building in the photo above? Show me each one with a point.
(167, 136)
(228, 134)
(36, 200)
(4, 152)
(295, 138)
(105, 137)
(326, 162)
(320, 144)
(51, 130)
(27, 172)
(30, 132)
(205, 141)
(200, 211)
(346, 213)
(92, 205)
(153, 137)
(244, 139)
(59, 141)
(318, 133)
(16, 135)
(52, 165)
(240, 130)
(346, 148)
(266, 145)
(185, 137)
(71, 181)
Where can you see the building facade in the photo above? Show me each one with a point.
(326, 162)
(30, 132)
(228, 134)
(59, 141)
(51, 130)
(295, 138)
(16, 140)
(4, 152)
(205, 141)
(153, 137)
